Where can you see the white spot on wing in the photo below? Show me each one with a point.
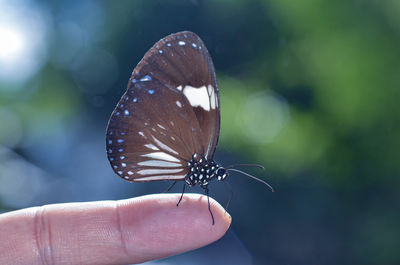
(161, 156)
(151, 146)
(159, 125)
(179, 88)
(213, 97)
(210, 89)
(161, 177)
(178, 104)
(163, 146)
(181, 43)
(158, 171)
(198, 97)
(158, 163)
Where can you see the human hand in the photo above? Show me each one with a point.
(110, 232)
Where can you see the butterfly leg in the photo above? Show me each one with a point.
(209, 208)
(183, 191)
(170, 187)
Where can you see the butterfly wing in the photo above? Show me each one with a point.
(169, 112)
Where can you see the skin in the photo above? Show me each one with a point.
(110, 232)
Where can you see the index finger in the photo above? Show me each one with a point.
(110, 232)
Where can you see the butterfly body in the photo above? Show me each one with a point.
(202, 171)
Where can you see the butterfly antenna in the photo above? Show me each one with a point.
(246, 174)
(245, 165)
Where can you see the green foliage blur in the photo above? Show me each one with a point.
(309, 89)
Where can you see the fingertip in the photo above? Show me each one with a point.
(155, 227)
(196, 207)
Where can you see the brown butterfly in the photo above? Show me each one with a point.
(166, 125)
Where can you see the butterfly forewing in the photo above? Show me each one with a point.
(169, 112)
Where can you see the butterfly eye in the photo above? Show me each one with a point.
(221, 173)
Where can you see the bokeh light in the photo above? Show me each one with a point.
(22, 42)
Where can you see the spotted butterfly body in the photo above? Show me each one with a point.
(166, 125)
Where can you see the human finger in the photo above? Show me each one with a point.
(110, 232)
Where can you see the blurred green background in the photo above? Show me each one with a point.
(309, 89)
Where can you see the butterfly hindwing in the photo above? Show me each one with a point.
(169, 112)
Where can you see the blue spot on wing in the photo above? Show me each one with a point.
(146, 78)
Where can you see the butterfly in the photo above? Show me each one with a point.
(166, 125)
